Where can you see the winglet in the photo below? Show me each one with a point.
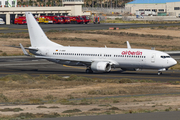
(24, 51)
(128, 45)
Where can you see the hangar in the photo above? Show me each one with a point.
(158, 7)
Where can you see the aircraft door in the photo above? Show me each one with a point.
(153, 58)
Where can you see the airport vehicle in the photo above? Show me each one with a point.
(20, 20)
(96, 20)
(66, 19)
(72, 19)
(79, 20)
(95, 59)
(76, 19)
(86, 19)
(1, 21)
(59, 20)
(54, 19)
(44, 20)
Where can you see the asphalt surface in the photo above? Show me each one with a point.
(47, 27)
(141, 116)
(35, 67)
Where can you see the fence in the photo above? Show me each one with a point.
(107, 10)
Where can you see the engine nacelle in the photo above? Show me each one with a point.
(100, 67)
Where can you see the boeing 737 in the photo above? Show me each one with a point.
(94, 58)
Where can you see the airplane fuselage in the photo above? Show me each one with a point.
(120, 57)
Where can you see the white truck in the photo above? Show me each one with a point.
(1, 21)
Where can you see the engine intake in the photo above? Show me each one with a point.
(100, 67)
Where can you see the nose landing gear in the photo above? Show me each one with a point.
(160, 70)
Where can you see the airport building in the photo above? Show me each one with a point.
(8, 3)
(8, 12)
(155, 7)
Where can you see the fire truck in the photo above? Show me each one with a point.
(59, 20)
(86, 19)
(20, 20)
(66, 19)
(76, 19)
(96, 20)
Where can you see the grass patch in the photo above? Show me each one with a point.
(113, 108)
(54, 107)
(95, 109)
(41, 106)
(11, 110)
(36, 101)
(72, 111)
(14, 35)
(3, 98)
(4, 54)
(38, 115)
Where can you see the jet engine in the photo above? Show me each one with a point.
(100, 67)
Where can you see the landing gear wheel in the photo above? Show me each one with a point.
(159, 73)
(89, 71)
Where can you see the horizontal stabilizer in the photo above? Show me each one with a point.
(24, 51)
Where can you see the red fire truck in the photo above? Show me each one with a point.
(20, 20)
(59, 20)
(66, 19)
(76, 19)
(86, 19)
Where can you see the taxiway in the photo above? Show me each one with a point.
(35, 67)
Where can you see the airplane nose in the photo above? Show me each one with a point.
(173, 62)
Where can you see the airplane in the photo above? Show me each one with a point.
(94, 58)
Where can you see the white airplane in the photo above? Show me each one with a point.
(95, 59)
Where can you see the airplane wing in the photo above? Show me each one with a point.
(57, 58)
(77, 60)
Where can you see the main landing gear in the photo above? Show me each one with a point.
(88, 70)
(159, 73)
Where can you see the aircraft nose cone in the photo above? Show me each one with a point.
(174, 62)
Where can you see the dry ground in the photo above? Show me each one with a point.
(52, 94)
(161, 39)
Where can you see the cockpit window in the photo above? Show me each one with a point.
(165, 57)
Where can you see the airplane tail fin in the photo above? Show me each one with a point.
(37, 36)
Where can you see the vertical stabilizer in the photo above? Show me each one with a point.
(37, 36)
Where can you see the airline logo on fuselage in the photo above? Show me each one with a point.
(131, 53)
